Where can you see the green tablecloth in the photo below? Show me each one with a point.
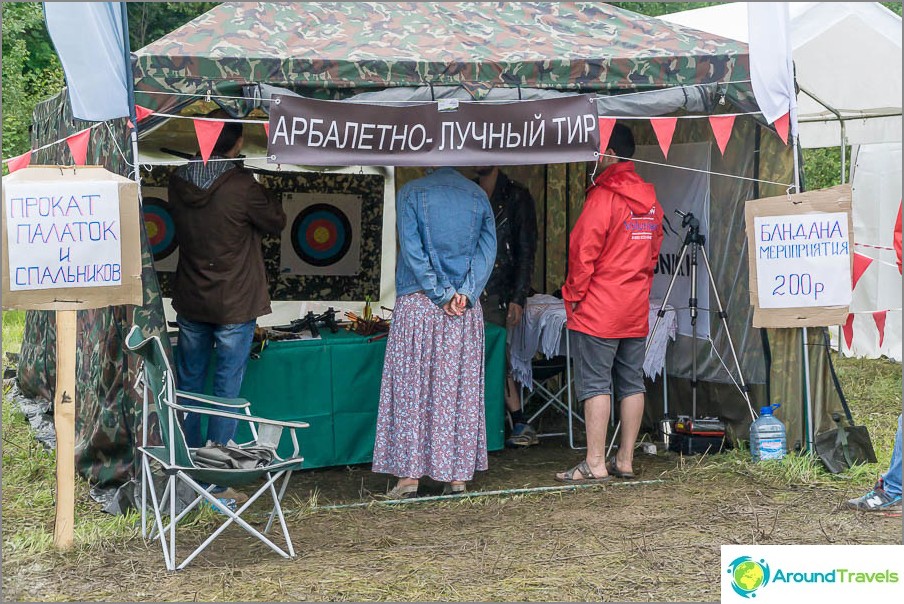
(334, 385)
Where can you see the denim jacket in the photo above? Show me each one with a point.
(447, 237)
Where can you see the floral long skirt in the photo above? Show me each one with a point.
(431, 420)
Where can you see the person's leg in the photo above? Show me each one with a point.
(629, 390)
(233, 347)
(192, 360)
(596, 416)
(593, 358)
(891, 480)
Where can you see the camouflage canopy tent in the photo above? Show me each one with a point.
(516, 50)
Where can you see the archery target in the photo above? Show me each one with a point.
(322, 235)
(161, 230)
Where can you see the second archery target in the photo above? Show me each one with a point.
(322, 234)
(161, 230)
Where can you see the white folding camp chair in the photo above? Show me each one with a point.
(175, 458)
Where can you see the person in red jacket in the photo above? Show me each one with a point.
(897, 238)
(613, 248)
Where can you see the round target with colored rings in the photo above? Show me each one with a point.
(160, 227)
(321, 234)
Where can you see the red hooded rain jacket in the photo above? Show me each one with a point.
(613, 249)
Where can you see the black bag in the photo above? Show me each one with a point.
(846, 445)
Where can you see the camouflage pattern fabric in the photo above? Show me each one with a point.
(313, 287)
(333, 49)
(108, 420)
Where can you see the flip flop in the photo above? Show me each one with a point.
(613, 470)
(588, 476)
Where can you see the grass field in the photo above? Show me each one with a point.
(657, 539)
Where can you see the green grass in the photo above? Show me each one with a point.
(13, 327)
(873, 388)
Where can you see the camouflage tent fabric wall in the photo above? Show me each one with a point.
(108, 418)
(335, 50)
(313, 287)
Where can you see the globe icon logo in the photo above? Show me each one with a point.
(748, 575)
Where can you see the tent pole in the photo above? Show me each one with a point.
(806, 352)
(843, 174)
(130, 86)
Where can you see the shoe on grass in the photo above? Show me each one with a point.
(523, 435)
(875, 501)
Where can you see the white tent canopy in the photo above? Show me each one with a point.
(847, 57)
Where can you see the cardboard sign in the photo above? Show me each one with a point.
(70, 239)
(801, 255)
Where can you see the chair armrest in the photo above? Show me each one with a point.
(234, 403)
(240, 416)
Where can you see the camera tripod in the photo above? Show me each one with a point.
(694, 242)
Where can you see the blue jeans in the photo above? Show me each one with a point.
(196, 343)
(891, 480)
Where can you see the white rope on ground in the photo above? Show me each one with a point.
(502, 492)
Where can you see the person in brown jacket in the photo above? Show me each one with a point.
(220, 213)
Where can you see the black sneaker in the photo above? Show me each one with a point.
(875, 501)
(523, 435)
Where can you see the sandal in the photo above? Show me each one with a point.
(409, 491)
(612, 468)
(455, 489)
(584, 469)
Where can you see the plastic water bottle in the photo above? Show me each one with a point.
(767, 435)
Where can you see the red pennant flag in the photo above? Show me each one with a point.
(781, 127)
(267, 130)
(78, 146)
(722, 126)
(142, 112)
(208, 131)
(18, 162)
(664, 127)
(848, 330)
(130, 124)
(861, 263)
(606, 126)
(879, 318)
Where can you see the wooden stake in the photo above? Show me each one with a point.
(64, 424)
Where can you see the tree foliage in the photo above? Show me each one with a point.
(31, 68)
(31, 71)
(151, 20)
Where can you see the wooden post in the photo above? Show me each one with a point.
(64, 424)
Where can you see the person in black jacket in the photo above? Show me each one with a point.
(510, 282)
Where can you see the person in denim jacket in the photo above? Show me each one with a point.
(431, 418)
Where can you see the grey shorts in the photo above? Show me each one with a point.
(600, 363)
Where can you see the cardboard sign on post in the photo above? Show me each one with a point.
(70, 241)
(801, 255)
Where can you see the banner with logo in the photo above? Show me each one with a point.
(812, 573)
(449, 133)
(688, 191)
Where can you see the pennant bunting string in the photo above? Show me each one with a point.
(208, 131)
(722, 126)
(606, 126)
(781, 127)
(78, 146)
(664, 127)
